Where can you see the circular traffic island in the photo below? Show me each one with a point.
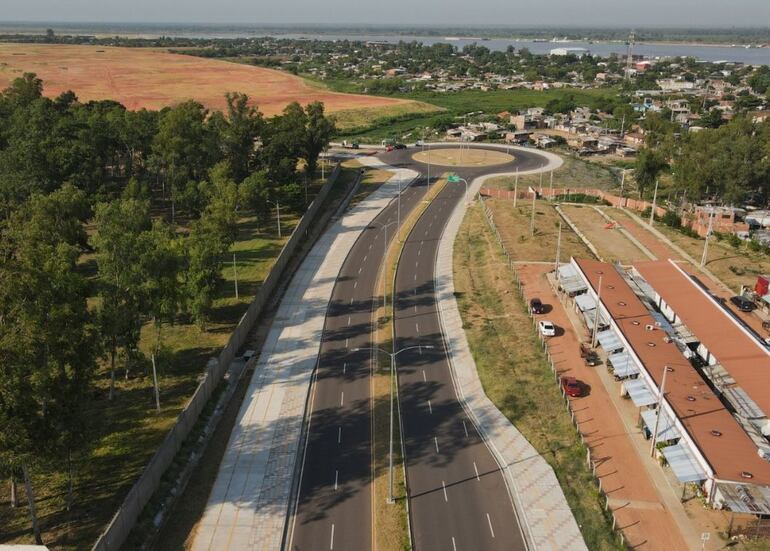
(462, 157)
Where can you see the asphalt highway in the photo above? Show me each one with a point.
(458, 497)
(334, 505)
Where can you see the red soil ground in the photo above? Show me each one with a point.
(152, 79)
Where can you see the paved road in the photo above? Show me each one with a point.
(458, 496)
(334, 509)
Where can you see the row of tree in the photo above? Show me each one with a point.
(161, 194)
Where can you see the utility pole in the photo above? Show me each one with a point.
(235, 276)
(558, 249)
(622, 182)
(541, 183)
(630, 58)
(654, 201)
(660, 411)
(596, 317)
(552, 185)
(532, 220)
(155, 383)
(516, 188)
(704, 258)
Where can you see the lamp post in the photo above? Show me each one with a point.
(666, 369)
(278, 214)
(384, 227)
(392, 356)
(654, 200)
(596, 317)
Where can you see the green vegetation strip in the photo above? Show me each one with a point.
(515, 373)
(390, 522)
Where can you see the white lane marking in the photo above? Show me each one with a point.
(466, 428)
(351, 301)
(370, 247)
(415, 278)
(415, 308)
(443, 485)
(355, 284)
(365, 257)
(489, 520)
(424, 379)
(339, 436)
(417, 326)
(419, 252)
(344, 367)
(348, 320)
(426, 232)
(477, 471)
(346, 342)
(342, 398)
(416, 264)
(435, 441)
(331, 545)
(454, 547)
(415, 290)
(359, 270)
(430, 408)
(336, 479)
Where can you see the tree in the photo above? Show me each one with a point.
(120, 260)
(649, 164)
(184, 144)
(47, 345)
(283, 144)
(238, 132)
(318, 133)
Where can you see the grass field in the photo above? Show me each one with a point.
(153, 79)
(574, 173)
(462, 157)
(514, 372)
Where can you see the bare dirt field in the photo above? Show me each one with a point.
(152, 79)
(612, 245)
(463, 157)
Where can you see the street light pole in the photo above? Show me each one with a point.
(666, 369)
(704, 258)
(532, 219)
(278, 215)
(516, 188)
(558, 249)
(596, 317)
(384, 255)
(654, 200)
(392, 355)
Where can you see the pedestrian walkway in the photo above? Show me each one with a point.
(248, 505)
(544, 514)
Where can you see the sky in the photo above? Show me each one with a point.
(623, 13)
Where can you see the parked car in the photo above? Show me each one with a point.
(547, 329)
(744, 304)
(536, 306)
(399, 146)
(572, 387)
(592, 359)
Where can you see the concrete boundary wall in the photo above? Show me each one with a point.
(125, 518)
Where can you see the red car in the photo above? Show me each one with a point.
(572, 387)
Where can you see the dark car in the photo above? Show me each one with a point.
(537, 306)
(744, 304)
(399, 146)
(591, 357)
(572, 387)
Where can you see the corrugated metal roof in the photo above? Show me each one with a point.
(640, 392)
(666, 429)
(609, 341)
(623, 365)
(585, 302)
(743, 498)
(683, 463)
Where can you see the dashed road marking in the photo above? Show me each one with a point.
(454, 547)
(339, 436)
(417, 327)
(336, 479)
(331, 544)
(435, 441)
(344, 367)
(477, 471)
(430, 408)
(348, 320)
(466, 428)
(424, 379)
(489, 520)
(342, 398)
(443, 485)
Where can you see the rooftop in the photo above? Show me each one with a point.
(737, 350)
(723, 443)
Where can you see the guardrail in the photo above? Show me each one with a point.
(140, 493)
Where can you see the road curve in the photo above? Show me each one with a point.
(457, 494)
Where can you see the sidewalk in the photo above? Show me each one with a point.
(542, 509)
(248, 505)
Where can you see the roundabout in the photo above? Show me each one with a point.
(463, 157)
